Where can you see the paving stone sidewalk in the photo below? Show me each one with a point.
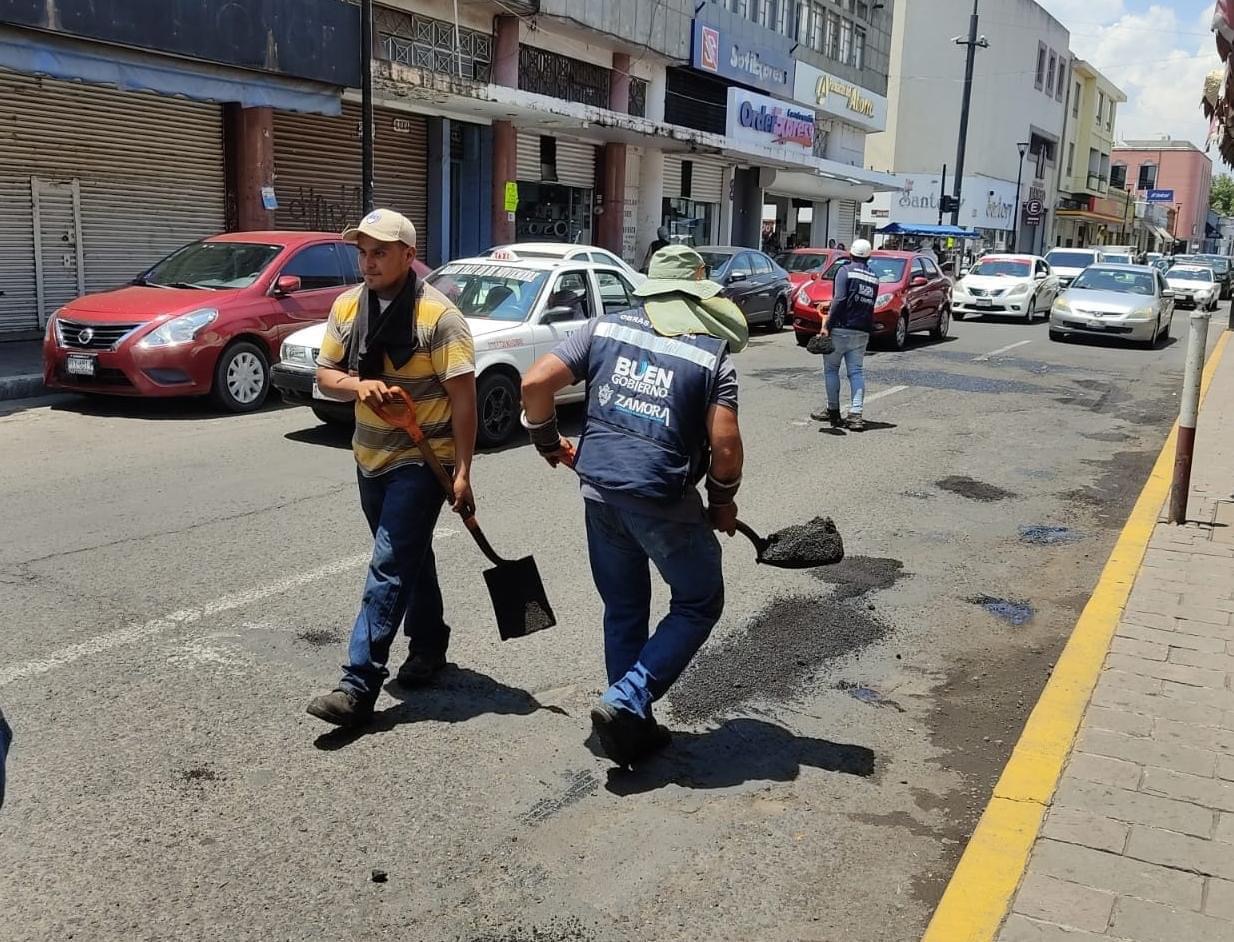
(1138, 843)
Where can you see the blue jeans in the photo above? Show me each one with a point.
(687, 554)
(401, 507)
(850, 348)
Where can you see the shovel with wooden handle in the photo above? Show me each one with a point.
(514, 585)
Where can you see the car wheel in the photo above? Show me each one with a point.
(899, 339)
(802, 339)
(335, 418)
(944, 324)
(241, 377)
(779, 314)
(497, 399)
(1057, 335)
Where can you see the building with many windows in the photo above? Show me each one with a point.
(1170, 173)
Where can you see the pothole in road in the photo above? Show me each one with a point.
(973, 489)
(856, 576)
(1040, 535)
(772, 656)
(319, 637)
(1010, 610)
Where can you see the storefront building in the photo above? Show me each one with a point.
(987, 205)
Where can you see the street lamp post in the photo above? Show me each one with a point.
(973, 42)
(1022, 147)
(366, 105)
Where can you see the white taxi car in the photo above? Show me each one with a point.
(1194, 286)
(518, 309)
(568, 251)
(1006, 284)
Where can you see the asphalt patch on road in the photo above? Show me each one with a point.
(973, 489)
(1040, 535)
(858, 576)
(319, 637)
(1014, 611)
(1122, 474)
(773, 656)
(569, 929)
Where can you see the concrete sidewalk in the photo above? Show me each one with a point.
(1138, 841)
(21, 369)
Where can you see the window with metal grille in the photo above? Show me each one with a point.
(859, 48)
(638, 97)
(550, 73)
(431, 44)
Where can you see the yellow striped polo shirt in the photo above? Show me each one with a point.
(444, 350)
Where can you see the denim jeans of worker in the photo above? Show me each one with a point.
(850, 348)
(621, 543)
(401, 507)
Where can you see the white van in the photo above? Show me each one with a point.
(1068, 263)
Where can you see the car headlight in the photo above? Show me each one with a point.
(1143, 313)
(884, 298)
(1062, 306)
(1019, 289)
(959, 289)
(53, 327)
(294, 353)
(182, 329)
(803, 297)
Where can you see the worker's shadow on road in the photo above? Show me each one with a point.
(869, 427)
(741, 750)
(458, 694)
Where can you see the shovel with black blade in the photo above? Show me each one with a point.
(514, 585)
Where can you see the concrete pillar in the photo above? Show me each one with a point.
(818, 228)
(505, 137)
(435, 247)
(611, 222)
(252, 132)
(619, 84)
(650, 200)
(747, 208)
(656, 88)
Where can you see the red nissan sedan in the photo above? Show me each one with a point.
(913, 295)
(802, 263)
(207, 320)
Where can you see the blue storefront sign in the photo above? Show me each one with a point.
(722, 52)
(1161, 196)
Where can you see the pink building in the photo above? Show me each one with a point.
(1168, 165)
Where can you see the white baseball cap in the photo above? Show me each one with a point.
(384, 225)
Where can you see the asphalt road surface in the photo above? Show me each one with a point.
(178, 584)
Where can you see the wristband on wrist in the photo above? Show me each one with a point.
(544, 435)
(721, 492)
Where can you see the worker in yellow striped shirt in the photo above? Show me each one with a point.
(396, 331)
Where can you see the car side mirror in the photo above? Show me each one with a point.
(918, 281)
(285, 285)
(736, 277)
(814, 276)
(1042, 276)
(963, 272)
(563, 312)
(1167, 293)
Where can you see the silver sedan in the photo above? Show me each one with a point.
(1129, 302)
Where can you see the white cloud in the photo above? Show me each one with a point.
(1157, 57)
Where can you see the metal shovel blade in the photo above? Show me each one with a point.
(803, 546)
(519, 601)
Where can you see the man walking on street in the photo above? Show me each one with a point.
(848, 321)
(395, 331)
(661, 416)
(659, 242)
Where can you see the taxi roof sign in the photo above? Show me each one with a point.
(504, 255)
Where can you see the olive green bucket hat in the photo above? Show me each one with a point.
(673, 269)
(677, 302)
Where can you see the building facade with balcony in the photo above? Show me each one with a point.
(1173, 173)
(1019, 92)
(1093, 208)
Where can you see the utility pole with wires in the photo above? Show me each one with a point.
(973, 42)
(366, 104)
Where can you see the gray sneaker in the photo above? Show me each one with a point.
(340, 707)
(827, 415)
(855, 422)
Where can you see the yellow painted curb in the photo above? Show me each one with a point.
(980, 891)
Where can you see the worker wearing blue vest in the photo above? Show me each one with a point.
(848, 321)
(661, 417)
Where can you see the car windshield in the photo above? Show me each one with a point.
(1005, 267)
(495, 292)
(1190, 274)
(889, 270)
(1219, 265)
(1070, 259)
(1119, 259)
(715, 262)
(800, 261)
(1114, 279)
(216, 265)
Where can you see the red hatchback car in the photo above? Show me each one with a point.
(802, 263)
(913, 295)
(207, 320)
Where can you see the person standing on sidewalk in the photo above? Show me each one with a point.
(659, 242)
(848, 321)
(661, 416)
(394, 331)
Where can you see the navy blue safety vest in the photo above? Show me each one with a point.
(645, 432)
(855, 311)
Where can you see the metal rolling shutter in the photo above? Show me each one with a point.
(150, 172)
(672, 177)
(846, 227)
(576, 164)
(707, 183)
(527, 167)
(317, 169)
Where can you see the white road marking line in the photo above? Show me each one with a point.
(889, 391)
(994, 353)
(135, 633)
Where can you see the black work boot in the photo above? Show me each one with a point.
(855, 422)
(340, 707)
(827, 415)
(626, 737)
(419, 669)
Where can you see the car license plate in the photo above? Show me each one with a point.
(80, 365)
(1096, 325)
(984, 302)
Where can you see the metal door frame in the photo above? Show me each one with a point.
(36, 186)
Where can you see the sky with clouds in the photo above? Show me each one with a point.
(1157, 51)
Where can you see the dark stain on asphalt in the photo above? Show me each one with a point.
(868, 695)
(319, 637)
(973, 489)
(1040, 535)
(1109, 437)
(1015, 611)
(578, 785)
(771, 657)
(1122, 474)
(804, 378)
(857, 576)
(570, 929)
(199, 775)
